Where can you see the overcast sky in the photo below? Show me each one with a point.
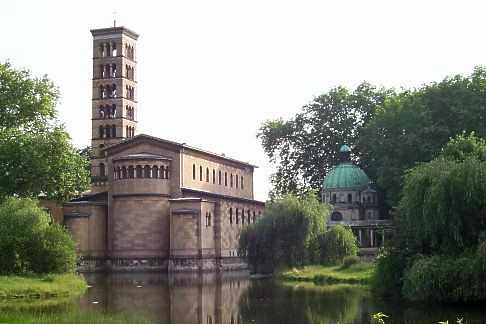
(210, 72)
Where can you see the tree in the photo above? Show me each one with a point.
(414, 125)
(306, 147)
(30, 242)
(338, 242)
(287, 234)
(36, 155)
(440, 221)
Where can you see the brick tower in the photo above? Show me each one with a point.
(114, 104)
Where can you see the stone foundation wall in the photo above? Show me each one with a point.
(158, 264)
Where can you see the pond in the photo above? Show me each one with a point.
(232, 298)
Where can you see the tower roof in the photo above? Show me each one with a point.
(113, 30)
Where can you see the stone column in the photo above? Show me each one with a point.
(371, 237)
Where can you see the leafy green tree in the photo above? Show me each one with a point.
(287, 234)
(36, 155)
(441, 216)
(413, 126)
(337, 243)
(30, 242)
(305, 147)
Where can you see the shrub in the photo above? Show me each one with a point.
(337, 243)
(29, 243)
(348, 261)
(287, 234)
(53, 251)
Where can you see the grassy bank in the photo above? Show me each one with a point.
(68, 318)
(35, 287)
(359, 273)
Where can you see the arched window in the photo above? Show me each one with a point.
(101, 112)
(131, 172)
(166, 172)
(207, 174)
(236, 184)
(102, 170)
(102, 71)
(126, 71)
(138, 171)
(113, 131)
(113, 70)
(108, 52)
(226, 179)
(200, 173)
(231, 180)
(114, 174)
(113, 111)
(214, 176)
(237, 217)
(113, 90)
(118, 171)
(155, 172)
(350, 198)
(219, 177)
(193, 172)
(231, 215)
(336, 216)
(242, 182)
(102, 50)
(113, 50)
(107, 70)
(101, 131)
(124, 172)
(127, 132)
(146, 171)
(102, 92)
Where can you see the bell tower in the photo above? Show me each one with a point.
(114, 104)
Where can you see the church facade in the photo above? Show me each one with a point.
(154, 204)
(357, 202)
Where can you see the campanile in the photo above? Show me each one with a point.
(114, 101)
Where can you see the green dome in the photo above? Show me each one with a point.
(344, 148)
(346, 175)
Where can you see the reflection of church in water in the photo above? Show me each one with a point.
(182, 298)
(357, 202)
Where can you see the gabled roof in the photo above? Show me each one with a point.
(177, 145)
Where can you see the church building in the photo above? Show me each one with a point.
(154, 204)
(356, 202)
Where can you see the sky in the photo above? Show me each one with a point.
(211, 72)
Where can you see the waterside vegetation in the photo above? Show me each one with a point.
(46, 286)
(358, 273)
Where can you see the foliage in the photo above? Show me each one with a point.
(287, 234)
(338, 242)
(414, 125)
(53, 251)
(378, 318)
(448, 279)
(36, 155)
(440, 221)
(30, 243)
(348, 261)
(305, 147)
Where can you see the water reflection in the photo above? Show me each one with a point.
(231, 298)
(180, 298)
